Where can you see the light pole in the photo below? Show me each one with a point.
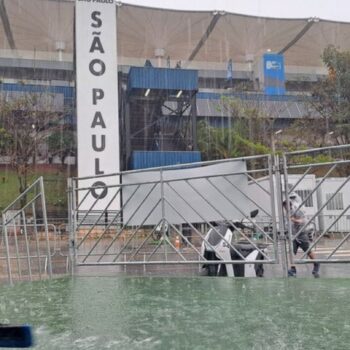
(34, 155)
(329, 142)
(273, 140)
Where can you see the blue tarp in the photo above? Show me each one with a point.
(162, 78)
(153, 159)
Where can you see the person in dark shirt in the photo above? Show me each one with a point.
(302, 240)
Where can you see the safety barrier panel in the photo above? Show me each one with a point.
(331, 216)
(26, 235)
(164, 214)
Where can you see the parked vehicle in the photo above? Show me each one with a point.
(216, 247)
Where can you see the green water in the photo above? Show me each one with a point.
(182, 313)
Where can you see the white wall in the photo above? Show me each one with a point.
(330, 186)
(264, 200)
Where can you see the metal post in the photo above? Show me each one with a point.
(43, 208)
(281, 238)
(286, 191)
(16, 248)
(9, 272)
(127, 132)
(71, 227)
(163, 211)
(27, 244)
(273, 170)
(36, 238)
(194, 122)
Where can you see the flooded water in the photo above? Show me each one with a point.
(182, 313)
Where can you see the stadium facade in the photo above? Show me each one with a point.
(172, 68)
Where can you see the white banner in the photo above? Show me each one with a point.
(97, 100)
(199, 194)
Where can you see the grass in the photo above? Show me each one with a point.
(55, 184)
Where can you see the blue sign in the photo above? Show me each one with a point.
(274, 78)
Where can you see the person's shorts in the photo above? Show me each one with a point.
(304, 245)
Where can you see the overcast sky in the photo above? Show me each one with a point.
(337, 10)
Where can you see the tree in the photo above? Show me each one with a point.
(331, 96)
(62, 143)
(25, 122)
(223, 143)
(250, 130)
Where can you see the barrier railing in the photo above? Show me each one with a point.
(331, 166)
(161, 216)
(26, 242)
(183, 201)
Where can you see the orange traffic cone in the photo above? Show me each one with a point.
(177, 242)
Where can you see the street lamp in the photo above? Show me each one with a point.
(328, 138)
(34, 155)
(273, 140)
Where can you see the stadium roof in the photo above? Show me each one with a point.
(335, 10)
(31, 27)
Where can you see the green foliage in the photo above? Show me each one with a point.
(308, 159)
(54, 182)
(248, 132)
(62, 143)
(223, 143)
(331, 96)
(5, 140)
(25, 123)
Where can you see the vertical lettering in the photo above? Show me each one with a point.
(102, 146)
(95, 16)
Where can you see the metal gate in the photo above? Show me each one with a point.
(329, 196)
(164, 213)
(25, 236)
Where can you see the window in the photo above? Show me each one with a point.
(336, 203)
(303, 194)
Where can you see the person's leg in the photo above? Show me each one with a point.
(316, 270)
(292, 272)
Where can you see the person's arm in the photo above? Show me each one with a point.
(297, 220)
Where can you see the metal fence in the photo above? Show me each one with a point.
(331, 165)
(160, 208)
(161, 216)
(30, 247)
(165, 213)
